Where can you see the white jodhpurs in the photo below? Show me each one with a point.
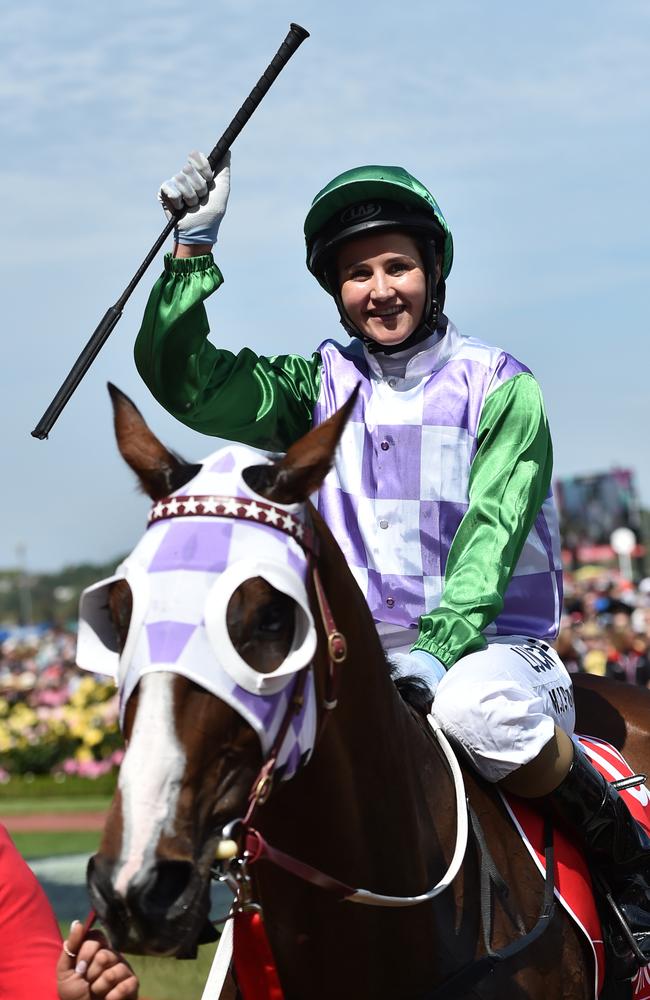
(501, 705)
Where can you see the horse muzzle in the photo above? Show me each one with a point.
(164, 911)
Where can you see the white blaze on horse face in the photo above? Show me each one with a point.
(150, 779)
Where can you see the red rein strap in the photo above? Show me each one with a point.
(337, 647)
(258, 849)
(257, 975)
(255, 967)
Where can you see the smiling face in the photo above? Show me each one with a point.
(383, 285)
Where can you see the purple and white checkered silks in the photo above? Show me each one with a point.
(400, 484)
(182, 574)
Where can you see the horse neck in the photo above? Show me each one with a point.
(375, 766)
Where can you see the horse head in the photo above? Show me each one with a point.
(208, 630)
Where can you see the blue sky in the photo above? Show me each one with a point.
(530, 124)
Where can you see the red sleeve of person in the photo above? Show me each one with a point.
(30, 941)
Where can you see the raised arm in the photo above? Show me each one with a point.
(263, 401)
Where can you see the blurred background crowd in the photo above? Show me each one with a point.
(605, 626)
(55, 719)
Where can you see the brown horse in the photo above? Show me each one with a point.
(374, 807)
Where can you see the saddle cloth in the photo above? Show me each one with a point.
(572, 879)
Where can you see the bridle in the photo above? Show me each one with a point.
(246, 911)
(262, 512)
(255, 846)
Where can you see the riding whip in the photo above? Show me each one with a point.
(294, 38)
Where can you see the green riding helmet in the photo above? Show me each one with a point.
(375, 199)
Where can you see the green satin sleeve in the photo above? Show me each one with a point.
(509, 481)
(266, 402)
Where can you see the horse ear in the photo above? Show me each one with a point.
(159, 470)
(307, 462)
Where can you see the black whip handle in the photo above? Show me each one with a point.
(295, 37)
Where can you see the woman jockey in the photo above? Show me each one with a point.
(440, 495)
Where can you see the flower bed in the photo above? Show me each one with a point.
(64, 730)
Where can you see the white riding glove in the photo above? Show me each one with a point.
(418, 663)
(203, 194)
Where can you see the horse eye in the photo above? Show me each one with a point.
(274, 617)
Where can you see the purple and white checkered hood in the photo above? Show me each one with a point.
(182, 574)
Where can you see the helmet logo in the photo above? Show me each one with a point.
(360, 213)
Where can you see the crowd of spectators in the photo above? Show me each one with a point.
(37, 665)
(605, 626)
(605, 630)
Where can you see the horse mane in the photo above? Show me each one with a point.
(413, 690)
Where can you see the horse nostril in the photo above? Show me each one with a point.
(165, 885)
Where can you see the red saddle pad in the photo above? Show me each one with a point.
(572, 879)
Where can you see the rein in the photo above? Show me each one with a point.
(460, 982)
(256, 848)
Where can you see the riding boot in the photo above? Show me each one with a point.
(620, 850)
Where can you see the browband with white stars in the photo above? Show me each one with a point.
(238, 508)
